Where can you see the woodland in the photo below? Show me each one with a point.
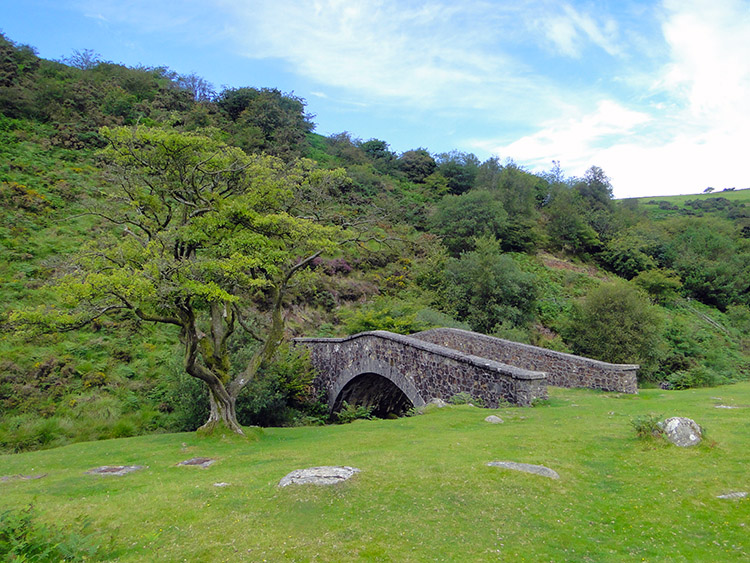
(161, 241)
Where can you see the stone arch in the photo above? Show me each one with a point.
(379, 386)
(375, 391)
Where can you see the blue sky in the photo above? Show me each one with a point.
(655, 93)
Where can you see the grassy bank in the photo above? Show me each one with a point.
(424, 492)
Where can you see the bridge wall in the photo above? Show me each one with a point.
(563, 370)
(421, 369)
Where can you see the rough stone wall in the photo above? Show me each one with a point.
(563, 370)
(422, 370)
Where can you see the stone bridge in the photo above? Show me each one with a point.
(392, 373)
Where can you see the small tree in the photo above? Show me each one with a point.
(616, 323)
(486, 289)
(459, 219)
(204, 238)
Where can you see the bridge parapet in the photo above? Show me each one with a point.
(421, 369)
(563, 370)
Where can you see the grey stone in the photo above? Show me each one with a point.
(5, 478)
(326, 475)
(726, 407)
(222, 484)
(439, 403)
(681, 431)
(492, 419)
(526, 468)
(202, 462)
(734, 495)
(114, 470)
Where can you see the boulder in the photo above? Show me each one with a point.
(327, 475)
(439, 403)
(492, 419)
(681, 431)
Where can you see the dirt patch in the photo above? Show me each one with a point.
(203, 462)
(115, 470)
(555, 263)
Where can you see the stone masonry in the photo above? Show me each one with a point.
(418, 368)
(563, 370)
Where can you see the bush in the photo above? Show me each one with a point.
(280, 395)
(460, 219)
(22, 538)
(662, 285)
(616, 323)
(486, 289)
(350, 413)
(697, 377)
(647, 426)
(464, 398)
(384, 314)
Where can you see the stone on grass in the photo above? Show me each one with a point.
(492, 419)
(327, 475)
(5, 478)
(222, 484)
(526, 468)
(115, 470)
(734, 495)
(681, 431)
(202, 462)
(439, 403)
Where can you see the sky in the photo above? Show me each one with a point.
(657, 94)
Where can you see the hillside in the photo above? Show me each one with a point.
(438, 240)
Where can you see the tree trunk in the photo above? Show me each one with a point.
(223, 412)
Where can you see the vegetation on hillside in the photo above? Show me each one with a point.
(86, 179)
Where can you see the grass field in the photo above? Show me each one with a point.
(424, 492)
(737, 196)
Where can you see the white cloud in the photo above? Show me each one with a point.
(436, 55)
(710, 66)
(573, 140)
(658, 97)
(695, 136)
(569, 29)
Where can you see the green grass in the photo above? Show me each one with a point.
(424, 492)
(655, 213)
(738, 195)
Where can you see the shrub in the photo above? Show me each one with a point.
(647, 426)
(616, 323)
(384, 314)
(22, 538)
(350, 413)
(464, 398)
(697, 377)
(280, 395)
(662, 285)
(486, 289)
